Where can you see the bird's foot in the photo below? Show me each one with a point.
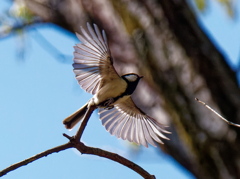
(109, 107)
(108, 103)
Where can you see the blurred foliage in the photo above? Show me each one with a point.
(228, 5)
(16, 18)
(19, 10)
(201, 4)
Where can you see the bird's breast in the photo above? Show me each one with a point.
(112, 90)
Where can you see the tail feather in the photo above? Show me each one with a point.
(74, 118)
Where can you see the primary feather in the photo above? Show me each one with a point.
(132, 123)
(92, 60)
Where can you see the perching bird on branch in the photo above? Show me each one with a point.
(93, 67)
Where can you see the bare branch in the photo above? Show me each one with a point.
(224, 119)
(82, 148)
(114, 157)
(74, 142)
(84, 122)
(35, 157)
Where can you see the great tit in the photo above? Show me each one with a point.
(93, 67)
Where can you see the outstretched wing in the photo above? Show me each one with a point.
(93, 64)
(127, 121)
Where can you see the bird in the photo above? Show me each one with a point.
(95, 73)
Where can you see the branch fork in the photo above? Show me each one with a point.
(74, 142)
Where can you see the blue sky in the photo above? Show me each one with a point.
(39, 91)
(223, 30)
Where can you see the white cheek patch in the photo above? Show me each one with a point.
(131, 78)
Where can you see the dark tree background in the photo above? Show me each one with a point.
(162, 40)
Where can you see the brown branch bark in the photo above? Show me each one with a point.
(74, 142)
(84, 122)
(35, 157)
(81, 147)
(114, 157)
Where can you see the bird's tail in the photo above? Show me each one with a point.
(73, 119)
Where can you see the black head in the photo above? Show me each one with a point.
(132, 81)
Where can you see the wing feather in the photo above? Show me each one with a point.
(130, 123)
(131, 132)
(127, 134)
(92, 60)
(104, 43)
(95, 38)
(146, 133)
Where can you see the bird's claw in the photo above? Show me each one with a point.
(108, 103)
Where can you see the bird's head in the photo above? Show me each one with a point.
(132, 81)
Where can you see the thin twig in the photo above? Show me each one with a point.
(224, 119)
(84, 122)
(35, 157)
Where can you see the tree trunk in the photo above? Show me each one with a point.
(161, 40)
